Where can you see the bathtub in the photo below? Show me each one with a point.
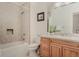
(15, 49)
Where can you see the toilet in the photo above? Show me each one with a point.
(32, 50)
(33, 46)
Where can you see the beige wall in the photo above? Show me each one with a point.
(26, 22)
(9, 19)
(37, 28)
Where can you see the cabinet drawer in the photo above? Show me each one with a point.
(64, 42)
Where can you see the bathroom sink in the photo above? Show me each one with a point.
(68, 36)
(62, 34)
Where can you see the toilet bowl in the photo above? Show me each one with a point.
(32, 50)
(33, 46)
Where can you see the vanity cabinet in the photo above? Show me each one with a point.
(44, 47)
(55, 47)
(55, 50)
(70, 51)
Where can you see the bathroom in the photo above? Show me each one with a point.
(21, 29)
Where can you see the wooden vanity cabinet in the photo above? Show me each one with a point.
(58, 48)
(70, 51)
(45, 47)
(55, 50)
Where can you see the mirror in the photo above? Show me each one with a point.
(65, 18)
(76, 23)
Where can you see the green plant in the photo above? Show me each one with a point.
(53, 29)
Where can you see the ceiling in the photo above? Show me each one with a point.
(19, 3)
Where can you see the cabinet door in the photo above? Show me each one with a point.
(70, 52)
(55, 50)
(44, 52)
(44, 47)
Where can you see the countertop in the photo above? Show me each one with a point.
(68, 37)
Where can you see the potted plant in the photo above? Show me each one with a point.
(53, 29)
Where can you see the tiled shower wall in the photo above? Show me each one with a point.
(9, 19)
